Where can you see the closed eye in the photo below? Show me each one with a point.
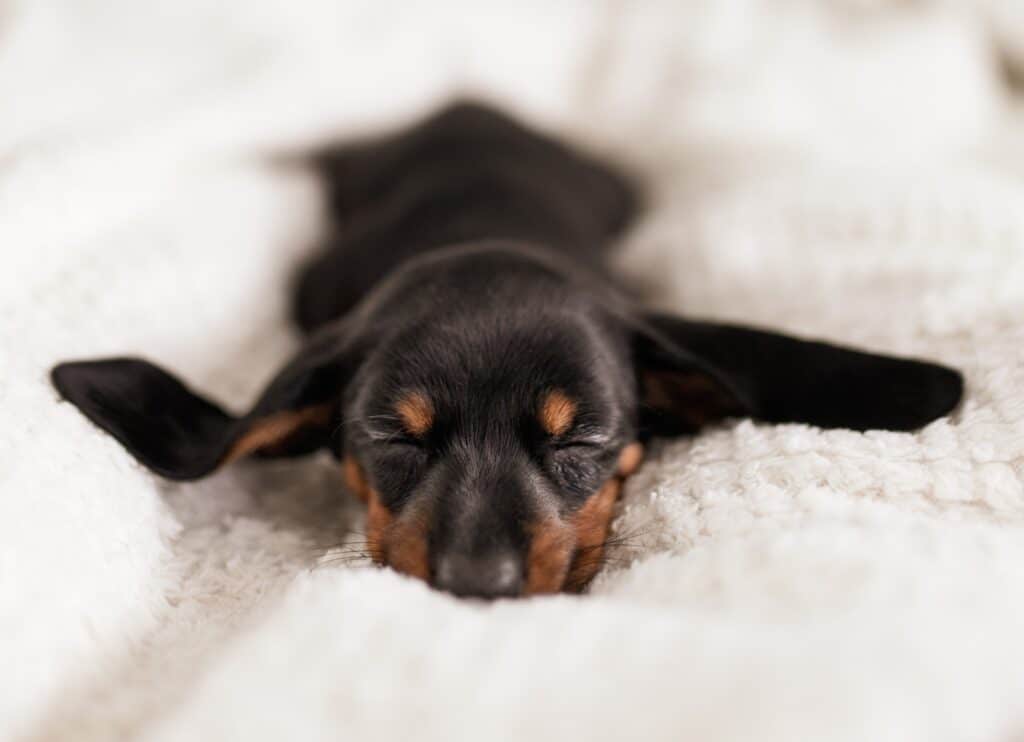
(596, 441)
(395, 438)
(577, 467)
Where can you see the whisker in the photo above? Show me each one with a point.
(348, 561)
(345, 558)
(341, 557)
(335, 546)
(343, 554)
(342, 422)
(346, 542)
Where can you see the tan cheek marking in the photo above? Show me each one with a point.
(567, 555)
(378, 519)
(630, 458)
(400, 543)
(591, 525)
(407, 548)
(557, 412)
(549, 557)
(355, 479)
(276, 429)
(416, 412)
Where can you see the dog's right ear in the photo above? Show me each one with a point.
(180, 435)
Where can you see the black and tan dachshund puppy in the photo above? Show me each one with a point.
(479, 371)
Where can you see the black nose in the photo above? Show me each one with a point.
(497, 576)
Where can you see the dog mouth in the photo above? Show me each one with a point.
(564, 553)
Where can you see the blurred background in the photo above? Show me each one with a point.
(831, 76)
(701, 97)
(852, 169)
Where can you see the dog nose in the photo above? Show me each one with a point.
(498, 576)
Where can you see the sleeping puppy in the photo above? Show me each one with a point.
(483, 378)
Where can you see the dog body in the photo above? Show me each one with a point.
(467, 174)
(484, 378)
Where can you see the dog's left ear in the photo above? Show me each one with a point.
(693, 373)
(180, 435)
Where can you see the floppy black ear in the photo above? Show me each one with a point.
(777, 378)
(180, 435)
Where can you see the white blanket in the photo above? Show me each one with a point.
(847, 170)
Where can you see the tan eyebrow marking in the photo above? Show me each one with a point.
(416, 412)
(557, 412)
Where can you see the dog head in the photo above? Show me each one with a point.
(487, 402)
